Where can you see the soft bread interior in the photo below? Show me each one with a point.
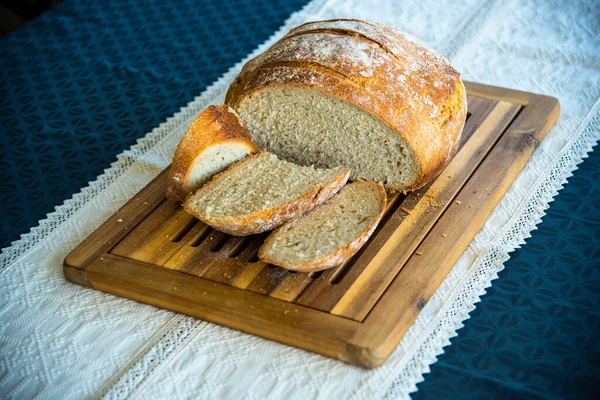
(328, 228)
(214, 160)
(256, 184)
(308, 127)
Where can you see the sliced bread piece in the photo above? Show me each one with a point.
(329, 234)
(262, 192)
(216, 139)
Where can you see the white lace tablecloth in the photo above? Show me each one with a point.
(59, 340)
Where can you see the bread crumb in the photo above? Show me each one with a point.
(418, 253)
(443, 234)
(119, 220)
(457, 201)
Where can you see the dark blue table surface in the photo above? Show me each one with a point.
(82, 82)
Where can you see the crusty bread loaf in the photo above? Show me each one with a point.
(357, 94)
(216, 139)
(262, 192)
(330, 234)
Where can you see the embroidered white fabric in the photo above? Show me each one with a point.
(58, 340)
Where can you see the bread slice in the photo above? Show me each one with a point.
(262, 192)
(329, 234)
(216, 139)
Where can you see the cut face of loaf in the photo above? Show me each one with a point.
(216, 139)
(358, 94)
(330, 234)
(262, 192)
(308, 127)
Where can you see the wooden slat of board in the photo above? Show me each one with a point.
(291, 286)
(251, 267)
(498, 93)
(114, 230)
(408, 293)
(239, 309)
(162, 234)
(267, 280)
(193, 258)
(479, 110)
(387, 252)
(231, 264)
(229, 267)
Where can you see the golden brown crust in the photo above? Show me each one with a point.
(269, 218)
(336, 258)
(377, 68)
(214, 125)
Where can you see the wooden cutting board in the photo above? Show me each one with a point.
(152, 251)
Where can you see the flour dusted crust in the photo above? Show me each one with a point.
(342, 254)
(377, 68)
(215, 125)
(268, 218)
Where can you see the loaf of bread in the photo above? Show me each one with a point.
(262, 192)
(216, 139)
(330, 234)
(356, 94)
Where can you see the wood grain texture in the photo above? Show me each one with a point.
(152, 251)
(498, 93)
(111, 232)
(222, 304)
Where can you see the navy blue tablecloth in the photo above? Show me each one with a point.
(81, 83)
